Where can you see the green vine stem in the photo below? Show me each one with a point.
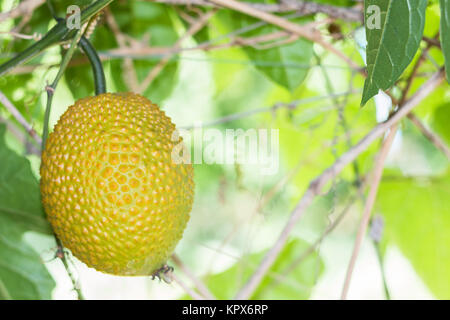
(58, 33)
(97, 68)
(50, 92)
(54, 35)
(51, 89)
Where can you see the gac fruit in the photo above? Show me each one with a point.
(110, 188)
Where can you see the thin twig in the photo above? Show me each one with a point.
(413, 73)
(55, 35)
(21, 136)
(281, 105)
(319, 183)
(376, 234)
(201, 287)
(430, 135)
(50, 92)
(377, 175)
(265, 198)
(370, 201)
(143, 51)
(35, 36)
(18, 116)
(129, 73)
(186, 288)
(23, 8)
(291, 267)
(62, 256)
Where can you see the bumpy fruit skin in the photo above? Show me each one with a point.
(110, 188)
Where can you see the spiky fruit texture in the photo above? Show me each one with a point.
(109, 186)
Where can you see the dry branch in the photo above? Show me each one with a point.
(193, 29)
(18, 116)
(23, 9)
(129, 74)
(201, 287)
(319, 183)
(306, 32)
(186, 288)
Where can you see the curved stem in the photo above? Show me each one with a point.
(97, 68)
(56, 34)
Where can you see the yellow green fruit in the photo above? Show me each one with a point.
(110, 188)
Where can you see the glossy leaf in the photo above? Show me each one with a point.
(391, 43)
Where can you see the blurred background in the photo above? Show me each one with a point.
(209, 78)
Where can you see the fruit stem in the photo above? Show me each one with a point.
(97, 68)
(54, 35)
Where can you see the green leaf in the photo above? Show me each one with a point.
(22, 273)
(440, 121)
(19, 190)
(277, 284)
(392, 44)
(286, 64)
(417, 214)
(445, 34)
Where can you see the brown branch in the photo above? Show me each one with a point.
(293, 105)
(319, 183)
(20, 136)
(430, 135)
(303, 7)
(196, 281)
(414, 72)
(433, 41)
(18, 116)
(129, 73)
(186, 288)
(434, 139)
(36, 36)
(303, 31)
(370, 202)
(312, 248)
(24, 8)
